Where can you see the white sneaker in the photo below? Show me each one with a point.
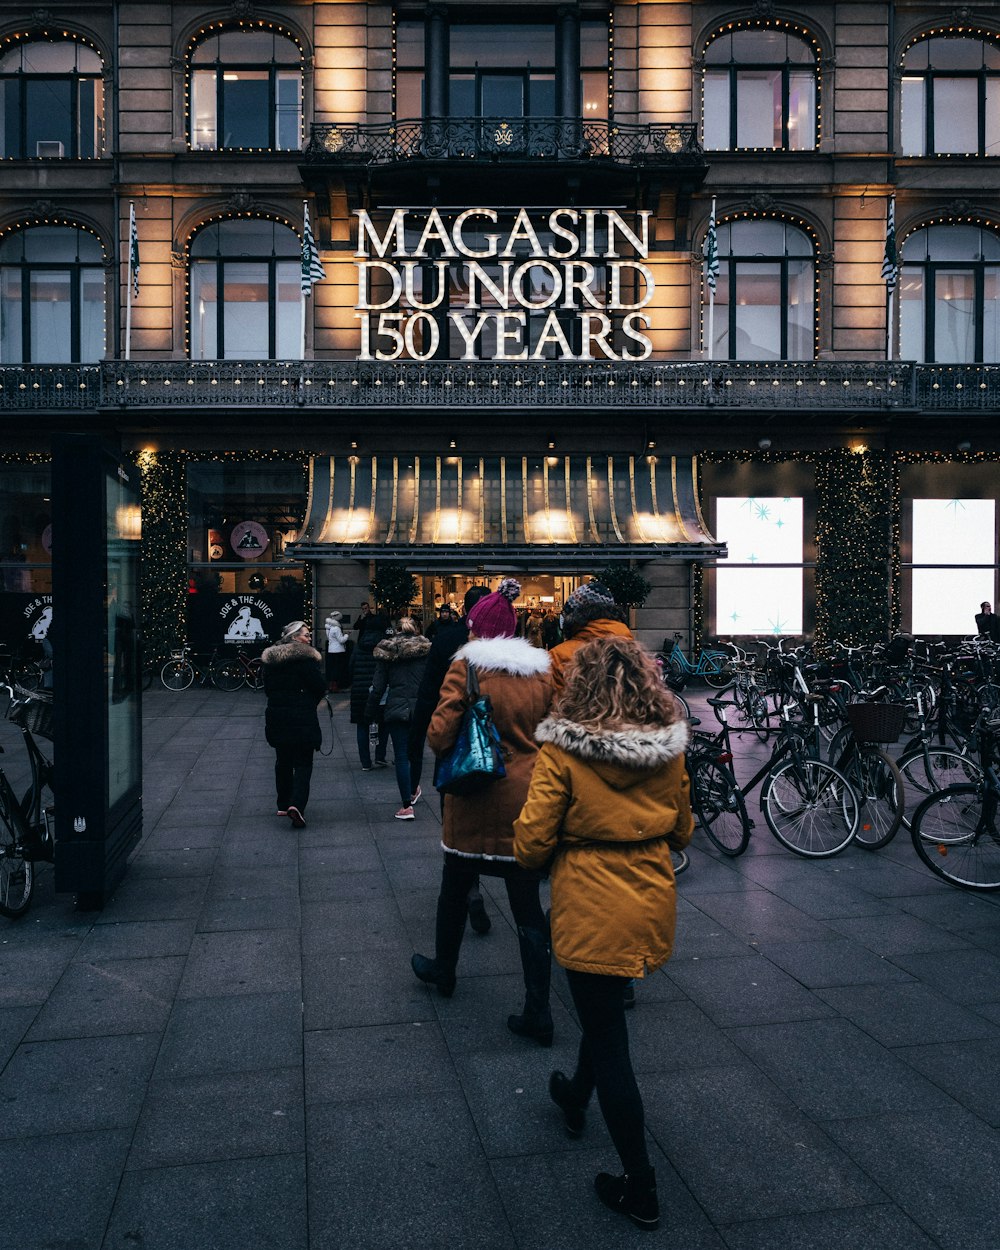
(404, 813)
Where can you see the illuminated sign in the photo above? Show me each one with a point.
(573, 272)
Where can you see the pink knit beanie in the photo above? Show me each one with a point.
(494, 615)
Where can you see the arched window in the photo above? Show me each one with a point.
(761, 88)
(246, 91)
(765, 293)
(51, 296)
(245, 291)
(51, 100)
(949, 303)
(951, 97)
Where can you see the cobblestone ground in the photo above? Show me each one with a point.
(235, 1055)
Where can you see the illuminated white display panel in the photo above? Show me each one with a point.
(757, 599)
(957, 533)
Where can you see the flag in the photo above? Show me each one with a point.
(312, 266)
(711, 252)
(890, 259)
(133, 250)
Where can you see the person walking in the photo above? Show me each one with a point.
(294, 685)
(450, 635)
(590, 612)
(371, 631)
(477, 829)
(399, 666)
(609, 799)
(336, 652)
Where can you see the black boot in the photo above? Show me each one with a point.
(633, 1194)
(564, 1096)
(478, 918)
(536, 960)
(432, 973)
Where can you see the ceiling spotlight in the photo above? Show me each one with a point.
(763, 443)
(964, 445)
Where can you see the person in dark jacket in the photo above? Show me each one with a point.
(294, 685)
(399, 666)
(370, 633)
(448, 638)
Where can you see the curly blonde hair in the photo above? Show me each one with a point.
(615, 682)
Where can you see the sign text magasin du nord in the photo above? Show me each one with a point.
(406, 273)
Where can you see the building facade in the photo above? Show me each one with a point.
(707, 291)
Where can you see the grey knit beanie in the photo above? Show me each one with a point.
(589, 595)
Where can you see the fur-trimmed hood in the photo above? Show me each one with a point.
(402, 647)
(620, 756)
(287, 652)
(505, 655)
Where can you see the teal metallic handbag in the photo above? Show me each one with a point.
(476, 759)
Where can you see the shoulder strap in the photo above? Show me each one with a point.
(329, 708)
(471, 681)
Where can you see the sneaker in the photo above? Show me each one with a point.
(404, 813)
(282, 811)
(416, 796)
(296, 817)
(631, 1195)
(366, 768)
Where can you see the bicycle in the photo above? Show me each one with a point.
(713, 666)
(810, 807)
(955, 831)
(857, 751)
(181, 670)
(239, 670)
(927, 766)
(27, 834)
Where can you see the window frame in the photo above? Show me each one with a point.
(74, 77)
(76, 269)
(219, 68)
(929, 76)
(733, 70)
(929, 270)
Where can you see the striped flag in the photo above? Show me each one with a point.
(312, 266)
(133, 250)
(890, 259)
(711, 252)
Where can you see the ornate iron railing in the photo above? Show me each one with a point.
(493, 138)
(778, 386)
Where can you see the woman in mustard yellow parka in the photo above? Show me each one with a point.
(609, 799)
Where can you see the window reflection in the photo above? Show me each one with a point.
(51, 296)
(760, 91)
(246, 91)
(950, 97)
(51, 101)
(949, 295)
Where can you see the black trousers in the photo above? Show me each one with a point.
(292, 773)
(604, 1063)
(461, 875)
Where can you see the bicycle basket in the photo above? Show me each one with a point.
(32, 711)
(876, 722)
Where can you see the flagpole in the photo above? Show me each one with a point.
(711, 299)
(305, 220)
(888, 328)
(128, 283)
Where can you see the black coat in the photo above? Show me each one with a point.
(294, 685)
(399, 665)
(363, 667)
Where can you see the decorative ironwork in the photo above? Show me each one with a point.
(492, 138)
(778, 386)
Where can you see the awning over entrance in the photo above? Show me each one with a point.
(514, 511)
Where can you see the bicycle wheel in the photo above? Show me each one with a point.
(227, 675)
(926, 771)
(751, 713)
(718, 676)
(880, 788)
(17, 874)
(718, 805)
(177, 674)
(955, 833)
(255, 674)
(28, 676)
(680, 861)
(811, 808)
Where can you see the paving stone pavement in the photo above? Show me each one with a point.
(234, 1054)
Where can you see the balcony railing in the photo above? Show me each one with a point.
(496, 138)
(781, 386)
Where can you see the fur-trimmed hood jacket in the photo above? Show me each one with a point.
(399, 666)
(515, 675)
(603, 812)
(294, 684)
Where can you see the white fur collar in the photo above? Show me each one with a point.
(639, 746)
(505, 655)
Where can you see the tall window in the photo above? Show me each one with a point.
(765, 294)
(246, 91)
(760, 91)
(951, 97)
(954, 563)
(502, 69)
(51, 100)
(51, 296)
(950, 295)
(245, 292)
(758, 588)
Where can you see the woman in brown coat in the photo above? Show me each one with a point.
(477, 829)
(609, 799)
